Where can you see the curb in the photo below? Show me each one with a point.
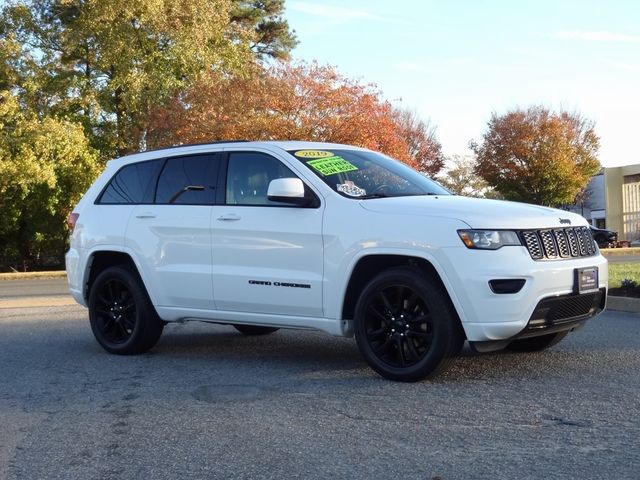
(623, 304)
(26, 275)
(38, 302)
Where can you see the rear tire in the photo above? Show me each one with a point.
(405, 326)
(122, 317)
(535, 344)
(255, 329)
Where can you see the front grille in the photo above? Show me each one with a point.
(566, 308)
(557, 243)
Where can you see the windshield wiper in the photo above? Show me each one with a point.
(374, 195)
(386, 195)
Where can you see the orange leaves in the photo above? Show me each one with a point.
(295, 102)
(538, 156)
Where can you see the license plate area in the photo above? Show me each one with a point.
(586, 280)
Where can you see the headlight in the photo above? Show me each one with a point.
(488, 239)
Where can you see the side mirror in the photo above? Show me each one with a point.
(287, 190)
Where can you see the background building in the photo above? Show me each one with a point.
(622, 187)
(592, 204)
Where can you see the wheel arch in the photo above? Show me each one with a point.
(368, 266)
(100, 259)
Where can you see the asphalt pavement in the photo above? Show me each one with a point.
(210, 403)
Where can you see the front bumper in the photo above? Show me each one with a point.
(488, 316)
(553, 315)
(556, 314)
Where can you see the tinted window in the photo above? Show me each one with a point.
(188, 180)
(248, 178)
(134, 183)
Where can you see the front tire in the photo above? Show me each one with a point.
(405, 326)
(535, 344)
(122, 317)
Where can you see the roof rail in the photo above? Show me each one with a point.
(213, 142)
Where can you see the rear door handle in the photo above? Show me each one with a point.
(146, 215)
(228, 217)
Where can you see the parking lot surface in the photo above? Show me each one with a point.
(208, 402)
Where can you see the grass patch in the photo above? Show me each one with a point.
(619, 271)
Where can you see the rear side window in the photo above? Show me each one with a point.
(188, 180)
(132, 184)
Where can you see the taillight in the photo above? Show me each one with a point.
(71, 220)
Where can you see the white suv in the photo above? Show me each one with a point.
(268, 235)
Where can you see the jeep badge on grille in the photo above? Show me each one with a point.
(565, 221)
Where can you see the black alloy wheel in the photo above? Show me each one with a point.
(405, 327)
(398, 326)
(122, 317)
(116, 311)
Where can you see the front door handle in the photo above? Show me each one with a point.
(228, 217)
(146, 215)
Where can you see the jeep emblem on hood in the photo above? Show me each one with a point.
(565, 221)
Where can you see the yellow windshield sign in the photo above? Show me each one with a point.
(331, 165)
(313, 154)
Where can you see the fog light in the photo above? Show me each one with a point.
(507, 285)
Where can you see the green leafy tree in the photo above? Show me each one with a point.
(78, 79)
(270, 36)
(106, 63)
(46, 164)
(538, 156)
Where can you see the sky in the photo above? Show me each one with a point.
(455, 62)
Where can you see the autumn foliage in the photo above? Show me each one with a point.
(294, 102)
(77, 81)
(538, 156)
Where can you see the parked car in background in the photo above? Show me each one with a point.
(603, 237)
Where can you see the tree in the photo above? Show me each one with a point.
(106, 63)
(270, 35)
(78, 79)
(297, 102)
(46, 164)
(420, 137)
(538, 156)
(460, 177)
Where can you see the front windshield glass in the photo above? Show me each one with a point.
(363, 174)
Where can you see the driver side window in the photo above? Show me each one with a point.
(248, 177)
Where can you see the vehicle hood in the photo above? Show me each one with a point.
(476, 212)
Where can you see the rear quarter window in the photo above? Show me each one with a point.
(132, 184)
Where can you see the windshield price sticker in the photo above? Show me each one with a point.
(313, 154)
(331, 165)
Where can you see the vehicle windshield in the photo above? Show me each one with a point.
(362, 174)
